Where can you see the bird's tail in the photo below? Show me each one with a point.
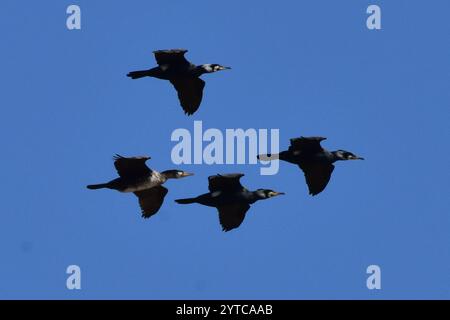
(186, 201)
(97, 186)
(268, 157)
(138, 74)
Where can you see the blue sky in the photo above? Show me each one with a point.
(305, 67)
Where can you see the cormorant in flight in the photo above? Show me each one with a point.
(316, 162)
(230, 198)
(146, 184)
(185, 76)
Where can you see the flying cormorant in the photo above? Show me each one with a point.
(173, 66)
(230, 198)
(145, 183)
(316, 162)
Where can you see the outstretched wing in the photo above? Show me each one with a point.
(173, 57)
(317, 176)
(308, 145)
(226, 182)
(150, 200)
(133, 167)
(232, 215)
(190, 93)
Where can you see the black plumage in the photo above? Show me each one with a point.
(230, 198)
(315, 161)
(146, 184)
(184, 76)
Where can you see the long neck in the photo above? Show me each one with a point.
(168, 174)
(335, 156)
(201, 69)
(254, 196)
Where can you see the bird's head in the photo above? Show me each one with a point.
(267, 193)
(176, 174)
(210, 68)
(346, 155)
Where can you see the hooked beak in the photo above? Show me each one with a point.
(358, 158)
(186, 174)
(277, 193)
(225, 68)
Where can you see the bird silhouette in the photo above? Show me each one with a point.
(230, 198)
(315, 161)
(184, 76)
(145, 183)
